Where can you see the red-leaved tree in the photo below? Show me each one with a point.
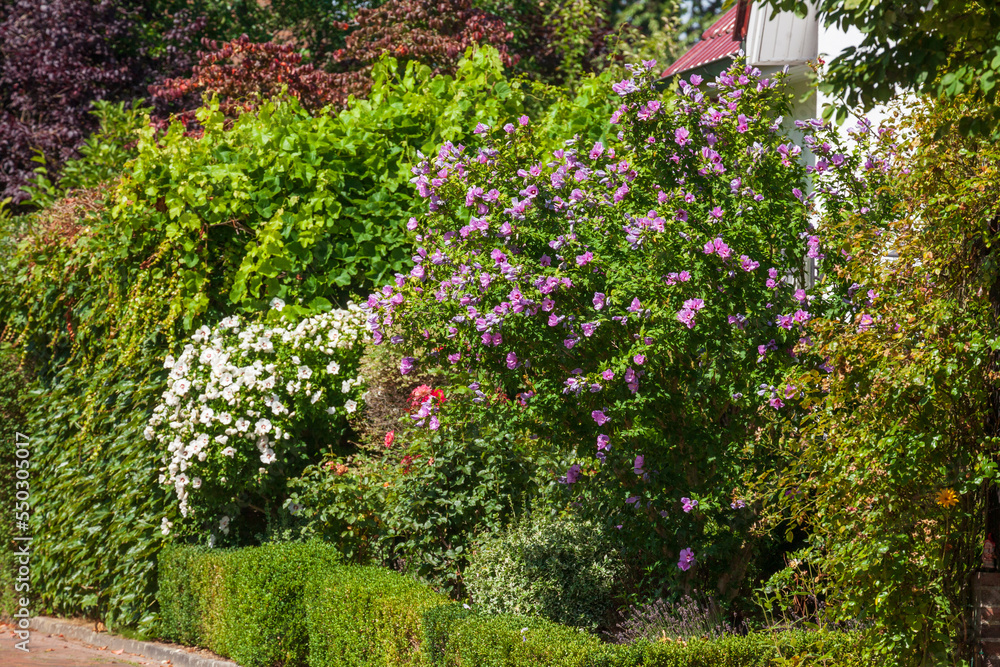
(242, 73)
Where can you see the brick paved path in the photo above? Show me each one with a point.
(56, 651)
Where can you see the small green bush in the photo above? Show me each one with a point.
(247, 604)
(366, 616)
(560, 568)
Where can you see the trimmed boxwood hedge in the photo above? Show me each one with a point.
(508, 640)
(361, 615)
(517, 641)
(292, 605)
(246, 604)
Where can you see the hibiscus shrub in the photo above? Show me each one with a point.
(632, 297)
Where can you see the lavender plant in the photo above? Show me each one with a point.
(687, 618)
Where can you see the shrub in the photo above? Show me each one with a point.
(639, 297)
(341, 501)
(190, 583)
(905, 413)
(243, 74)
(359, 616)
(445, 491)
(561, 568)
(247, 404)
(248, 604)
(689, 617)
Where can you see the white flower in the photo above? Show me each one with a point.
(333, 368)
(165, 526)
(228, 451)
(305, 372)
(206, 356)
(226, 379)
(169, 361)
(351, 406)
(277, 304)
(268, 383)
(211, 541)
(296, 360)
(332, 410)
(242, 425)
(196, 482)
(291, 387)
(222, 439)
(263, 426)
(316, 396)
(345, 386)
(268, 457)
(148, 432)
(225, 417)
(181, 387)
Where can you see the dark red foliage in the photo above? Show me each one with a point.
(56, 58)
(242, 73)
(435, 33)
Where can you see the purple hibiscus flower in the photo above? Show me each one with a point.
(406, 365)
(686, 559)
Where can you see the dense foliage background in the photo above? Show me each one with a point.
(598, 368)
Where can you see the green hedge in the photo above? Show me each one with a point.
(759, 649)
(359, 616)
(293, 605)
(518, 641)
(247, 604)
(511, 641)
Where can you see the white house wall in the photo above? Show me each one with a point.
(784, 39)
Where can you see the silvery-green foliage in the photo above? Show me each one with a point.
(561, 568)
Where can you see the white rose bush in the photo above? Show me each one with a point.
(246, 406)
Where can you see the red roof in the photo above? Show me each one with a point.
(722, 39)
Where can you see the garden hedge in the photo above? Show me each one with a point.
(294, 605)
(247, 604)
(361, 615)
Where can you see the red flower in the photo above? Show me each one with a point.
(424, 393)
(389, 437)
